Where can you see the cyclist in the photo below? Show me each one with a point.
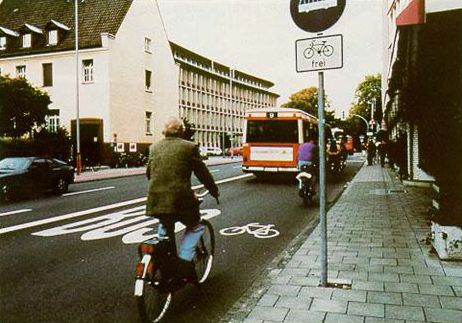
(171, 162)
(308, 154)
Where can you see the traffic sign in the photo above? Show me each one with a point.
(319, 53)
(316, 15)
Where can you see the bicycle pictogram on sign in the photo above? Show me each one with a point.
(321, 48)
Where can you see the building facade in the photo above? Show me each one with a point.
(131, 78)
(214, 98)
(127, 75)
(423, 97)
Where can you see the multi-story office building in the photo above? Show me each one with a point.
(214, 97)
(129, 81)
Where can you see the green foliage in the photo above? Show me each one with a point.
(22, 106)
(45, 143)
(368, 90)
(307, 100)
(54, 144)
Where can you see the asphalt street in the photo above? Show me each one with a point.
(72, 258)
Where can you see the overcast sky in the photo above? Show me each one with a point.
(258, 37)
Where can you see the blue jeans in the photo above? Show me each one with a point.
(189, 241)
(304, 162)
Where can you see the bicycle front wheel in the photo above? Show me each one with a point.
(204, 252)
(153, 303)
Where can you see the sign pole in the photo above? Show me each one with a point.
(322, 181)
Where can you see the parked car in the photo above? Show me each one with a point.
(24, 175)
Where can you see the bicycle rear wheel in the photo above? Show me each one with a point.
(154, 302)
(205, 250)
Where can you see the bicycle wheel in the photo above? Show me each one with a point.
(232, 231)
(204, 252)
(308, 53)
(153, 303)
(328, 50)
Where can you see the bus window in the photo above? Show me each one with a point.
(309, 129)
(270, 131)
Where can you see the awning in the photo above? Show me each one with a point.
(413, 14)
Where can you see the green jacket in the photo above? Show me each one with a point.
(171, 163)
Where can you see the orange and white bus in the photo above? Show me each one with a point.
(272, 137)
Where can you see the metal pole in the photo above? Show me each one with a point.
(322, 181)
(364, 119)
(77, 121)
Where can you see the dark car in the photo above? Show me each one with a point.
(21, 176)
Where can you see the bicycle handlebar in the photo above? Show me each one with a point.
(201, 195)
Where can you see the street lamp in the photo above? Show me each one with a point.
(78, 158)
(362, 118)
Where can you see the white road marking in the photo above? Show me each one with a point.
(98, 209)
(132, 224)
(15, 212)
(90, 191)
(239, 166)
(214, 170)
(70, 215)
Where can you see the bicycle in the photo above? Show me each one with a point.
(320, 48)
(154, 287)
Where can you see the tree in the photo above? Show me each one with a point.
(22, 106)
(367, 92)
(307, 100)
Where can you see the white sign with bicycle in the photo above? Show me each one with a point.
(319, 53)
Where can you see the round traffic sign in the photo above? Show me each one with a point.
(316, 15)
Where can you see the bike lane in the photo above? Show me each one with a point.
(83, 271)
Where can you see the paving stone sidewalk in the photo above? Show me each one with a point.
(376, 241)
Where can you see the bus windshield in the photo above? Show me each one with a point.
(272, 131)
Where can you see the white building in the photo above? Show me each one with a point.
(129, 82)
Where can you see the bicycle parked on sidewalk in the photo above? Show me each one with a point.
(154, 284)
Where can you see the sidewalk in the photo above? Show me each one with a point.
(376, 242)
(105, 173)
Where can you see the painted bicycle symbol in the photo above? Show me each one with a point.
(262, 231)
(320, 48)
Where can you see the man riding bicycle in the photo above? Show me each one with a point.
(171, 199)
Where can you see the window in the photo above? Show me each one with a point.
(53, 37)
(147, 44)
(21, 71)
(26, 40)
(2, 43)
(148, 122)
(47, 74)
(87, 70)
(147, 80)
(53, 120)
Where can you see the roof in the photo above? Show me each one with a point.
(95, 17)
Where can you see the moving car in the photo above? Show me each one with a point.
(20, 176)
